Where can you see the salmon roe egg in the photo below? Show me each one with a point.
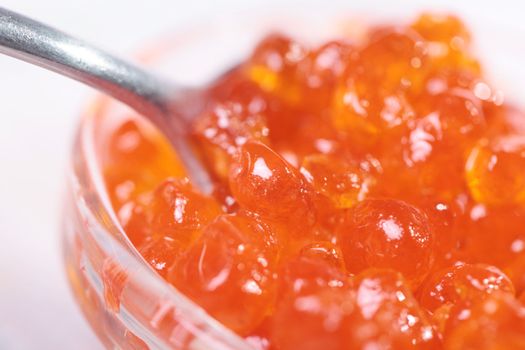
(372, 97)
(231, 262)
(174, 209)
(160, 252)
(390, 234)
(228, 126)
(495, 171)
(494, 235)
(497, 322)
(134, 144)
(263, 182)
(463, 283)
(392, 315)
(448, 41)
(314, 299)
(441, 28)
(342, 182)
(331, 313)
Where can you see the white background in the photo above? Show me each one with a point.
(38, 114)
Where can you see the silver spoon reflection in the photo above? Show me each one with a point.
(168, 106)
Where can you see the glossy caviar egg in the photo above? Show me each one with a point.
(263, 182)
(314, 300)
(319, 74)
(463, 283)
(311, 135)
(226, 127)
(326, 64)
(453, 116)
(387, 233)
(441, 28)
(495, 171)
(494, 235)
(273, 67)
(434, 144)
(233, 263)
(497, 322)
(327, 312)
(161, 252)
(312, 321)
(394, 54)
(176, 207)
(372, 97)
(342, 182)
(391, 313)
(174, 210)
(132, 145)
(448, 41)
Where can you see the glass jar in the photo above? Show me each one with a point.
(127, 304)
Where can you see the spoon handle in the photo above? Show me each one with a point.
(39, 44)
(165, 105)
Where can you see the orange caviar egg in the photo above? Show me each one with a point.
(497, 322)
(448, 41)
(441, 28)
(266, 184)
(389, 234)
(369, 193)
(132, 145)
(342, 182)
(174, 210)
(332, 313)
(372, 97)
(495, 171)
(321, 70)
(228, 126)
(458, 114)
(160, 252)
(273, 67)
(495, 235)
(385, 301)
(463, 283)
(232, 262)
(314, 299)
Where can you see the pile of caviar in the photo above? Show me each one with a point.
(369, 194)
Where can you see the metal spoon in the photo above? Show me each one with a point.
(168, 106)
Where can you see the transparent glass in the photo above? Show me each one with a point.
(127, 304)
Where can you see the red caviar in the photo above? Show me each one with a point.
(370, 194)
